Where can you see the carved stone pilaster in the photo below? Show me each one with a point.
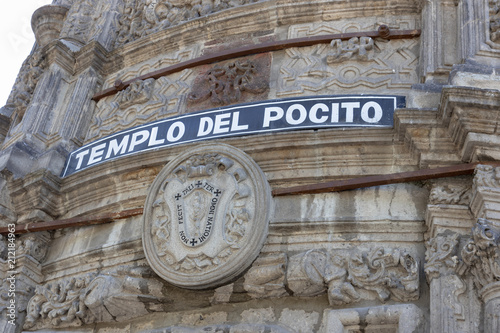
(481, 258)
(448, 291)
(439, 40)
(453, 307)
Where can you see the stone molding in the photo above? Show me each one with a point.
(247, 328)
(139, 18)
(402, 318)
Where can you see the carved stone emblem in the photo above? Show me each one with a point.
(206, 217)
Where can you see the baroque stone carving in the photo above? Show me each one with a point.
(206, 216)
(440, 256)
(92, 298)
(388, 273)
(481, 254)
(224, 84)
(80, 21)
(266, 278)
(140, 18)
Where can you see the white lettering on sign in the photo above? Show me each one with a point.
(319, 113)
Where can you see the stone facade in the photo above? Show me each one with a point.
(211, 246)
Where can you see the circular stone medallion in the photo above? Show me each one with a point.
(206, 216)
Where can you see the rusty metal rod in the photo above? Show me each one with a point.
(333, 186)
(377, 180)
(382, 32)
(72, 222)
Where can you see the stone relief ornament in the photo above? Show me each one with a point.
(142, 102)
(224, 84)
(140, 18)
(91, 298)
(247, 328)
(206, 217)
(440, 256)
(350, 277)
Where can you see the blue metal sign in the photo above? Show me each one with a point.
(245, 119)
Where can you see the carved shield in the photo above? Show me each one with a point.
(206, 216)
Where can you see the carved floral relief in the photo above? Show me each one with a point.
(451, 194)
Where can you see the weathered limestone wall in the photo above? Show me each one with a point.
(417, 256)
